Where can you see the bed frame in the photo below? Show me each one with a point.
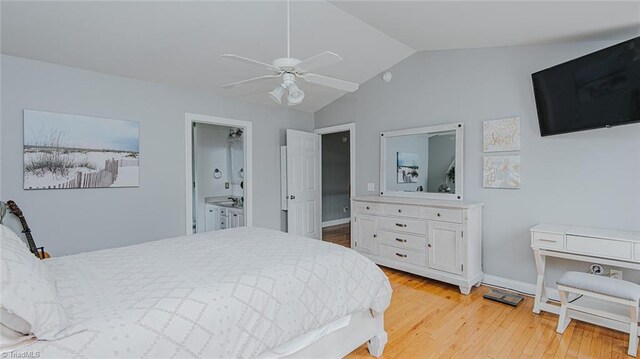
(364, 327)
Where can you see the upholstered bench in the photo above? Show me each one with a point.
(603, 288)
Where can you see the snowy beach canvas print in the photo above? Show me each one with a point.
(72, 151)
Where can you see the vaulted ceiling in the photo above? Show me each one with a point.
(179, 43)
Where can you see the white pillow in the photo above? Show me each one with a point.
(29, 292)
(11, 340)
(14, 322)
(8, 234)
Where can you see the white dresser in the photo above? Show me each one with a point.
(436, 239)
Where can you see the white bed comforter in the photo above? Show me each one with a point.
(232, 293)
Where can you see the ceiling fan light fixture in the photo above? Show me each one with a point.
(295, 95)
(277, 93)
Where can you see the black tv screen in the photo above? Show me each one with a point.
(601, 89)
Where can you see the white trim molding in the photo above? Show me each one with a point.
(336, 222)
(191, 118)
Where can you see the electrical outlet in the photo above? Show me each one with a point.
(596, 269)
(371, 187)
(226, 185)
(615, 273)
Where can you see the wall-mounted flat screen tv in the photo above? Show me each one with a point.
(598, 90)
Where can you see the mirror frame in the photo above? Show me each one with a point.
(459, 130)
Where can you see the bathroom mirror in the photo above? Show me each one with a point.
(236, 152)
(422, 162)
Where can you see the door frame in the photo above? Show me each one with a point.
(191, 118)
(351, 128)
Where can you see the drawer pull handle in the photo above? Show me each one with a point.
(375, 236)
(429, 245)
(547, 240)
(401, 240)
(438, 214)
(400, 225)
(368, 207)
(401, 255)
(399, 211)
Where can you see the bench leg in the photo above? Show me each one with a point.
(563, 319)
(633, 332)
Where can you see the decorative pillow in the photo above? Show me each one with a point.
(29, 292)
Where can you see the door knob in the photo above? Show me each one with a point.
(292, 197)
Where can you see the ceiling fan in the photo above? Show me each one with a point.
(290, 69)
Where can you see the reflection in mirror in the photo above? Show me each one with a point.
(423, 162)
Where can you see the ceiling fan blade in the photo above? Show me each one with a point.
(249, 61)
(323, 59)
(331, 82)
(243, 82)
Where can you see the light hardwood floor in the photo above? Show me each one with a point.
(340, 234)
(429, 319)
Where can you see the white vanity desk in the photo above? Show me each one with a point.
(603, 246)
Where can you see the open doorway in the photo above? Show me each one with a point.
(218, 173)
(338, 171)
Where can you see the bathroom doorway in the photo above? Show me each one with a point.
(218, 194)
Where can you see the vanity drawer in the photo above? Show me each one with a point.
(548, 240)
(599, 247)
(442, 214)
(369, 208)
(402, 210)
(404, 255)
(636, 257)
(403, 225)
(404, 241)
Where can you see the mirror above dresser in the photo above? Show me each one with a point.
(423, 162)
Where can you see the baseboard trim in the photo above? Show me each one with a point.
(336, 222)
(517, 286)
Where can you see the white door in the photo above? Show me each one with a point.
(304, 184)
(445, 247)
(366, 234)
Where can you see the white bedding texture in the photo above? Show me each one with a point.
(233, 293)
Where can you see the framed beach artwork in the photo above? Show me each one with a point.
(73, 151)
(408, 170)
(501, 172)
(501, 135)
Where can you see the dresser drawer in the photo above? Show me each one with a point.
(369, 208)
(599, 247)
(404, 241)
(404, 255)
(403, 225)
(442, 214)
(402, 210)
(548, 240)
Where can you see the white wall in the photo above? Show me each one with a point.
(72, 221)
(586, 178)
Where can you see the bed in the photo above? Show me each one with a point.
(237, 293)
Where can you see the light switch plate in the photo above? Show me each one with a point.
(371, 187)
